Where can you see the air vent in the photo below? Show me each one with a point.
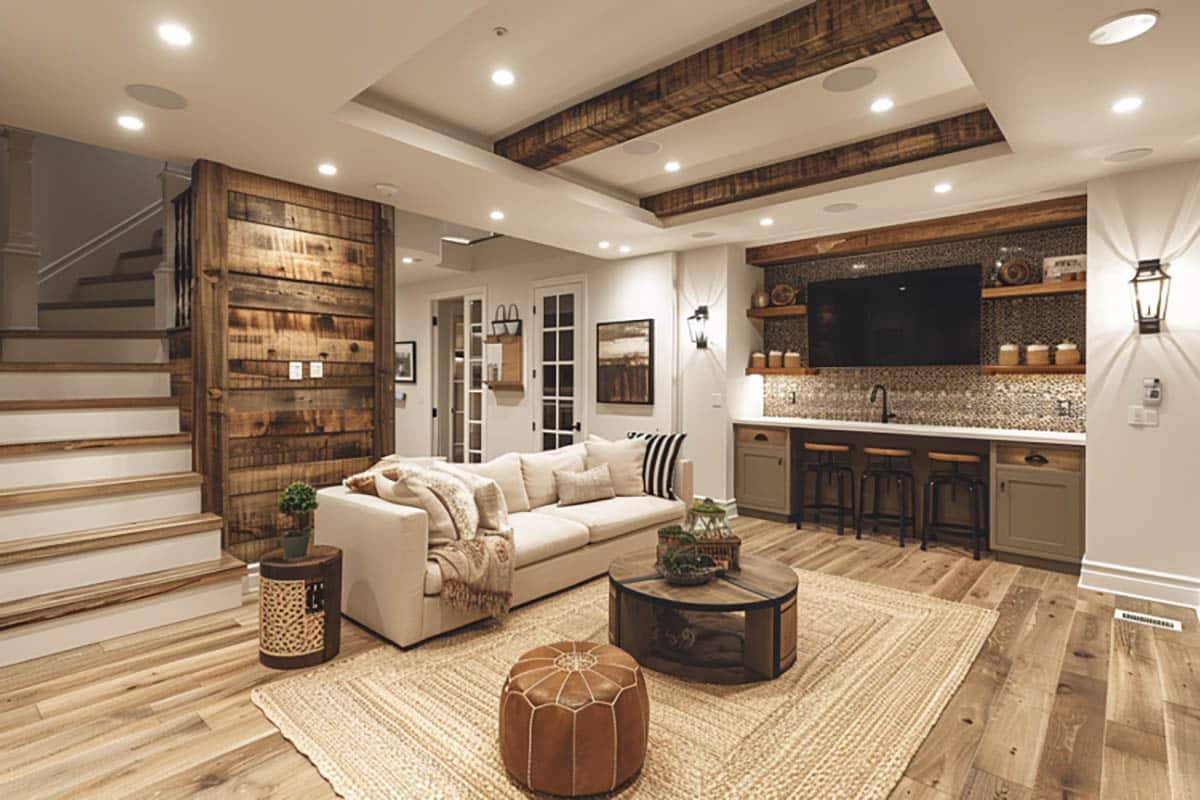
(1146, 619)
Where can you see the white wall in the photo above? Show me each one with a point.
(1142, 534)
(506, 270)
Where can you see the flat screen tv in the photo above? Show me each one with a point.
(903, 319)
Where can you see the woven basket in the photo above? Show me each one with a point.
(723, 551)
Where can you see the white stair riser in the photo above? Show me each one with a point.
(114, 290)
(138, 318)
(93, 385)
(48, 519)
(38, 469)
(46, 575)
(89, 351)
(18, 427)
(127, 266)
(76, 630)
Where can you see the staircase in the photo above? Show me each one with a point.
(101, 528)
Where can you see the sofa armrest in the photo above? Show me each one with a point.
(384, 549)
(684, 481)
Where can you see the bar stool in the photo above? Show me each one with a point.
(826, 467)
(881, 467)
(975, 486)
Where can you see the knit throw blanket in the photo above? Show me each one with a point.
(477, 573)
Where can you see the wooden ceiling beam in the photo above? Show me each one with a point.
(966, 131)
(817, 38)
(1030, 216)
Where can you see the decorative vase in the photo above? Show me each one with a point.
(761, 299)
(295, 544)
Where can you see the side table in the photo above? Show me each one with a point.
(300, 608)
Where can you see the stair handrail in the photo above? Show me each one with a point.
(103, 239)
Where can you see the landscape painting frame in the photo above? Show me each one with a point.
(625, 362)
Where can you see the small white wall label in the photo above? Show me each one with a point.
(295, 370)
(316, 369)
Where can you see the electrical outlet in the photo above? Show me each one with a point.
(316, 369)
(295, 370)
(1063, 407)
(792, 398)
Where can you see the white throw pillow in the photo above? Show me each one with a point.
(624, 459)
(506, 472)
(584, 487)
(364, 482)
(538, 471)
(489, 499)
(441, 527)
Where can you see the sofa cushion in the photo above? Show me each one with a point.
(489, 497)
(624, 459)
(505, 471)
(433, 578)
(537, 537)
(584, 487)
(607, 519)
(538, 471)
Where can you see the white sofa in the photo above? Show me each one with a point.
(390, 586)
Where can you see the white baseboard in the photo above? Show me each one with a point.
(250, 581)
(1142, 584)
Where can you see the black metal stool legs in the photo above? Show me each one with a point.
(825, 469)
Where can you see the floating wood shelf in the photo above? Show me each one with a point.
(511, 362)
(1034, 369)
(504, 386)
(794, 371)
(1035, 289)
(772, 312)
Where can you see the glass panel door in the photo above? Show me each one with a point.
(559, 346)
(458, 426)
(474, 379)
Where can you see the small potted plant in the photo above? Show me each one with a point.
(298, 501)
(684, 564)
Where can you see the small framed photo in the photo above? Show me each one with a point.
(406, 362)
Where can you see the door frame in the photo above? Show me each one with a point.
(583, 337)
(435, 365)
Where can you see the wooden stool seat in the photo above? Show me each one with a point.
(889, 452)
(955, 458)
(821, 447)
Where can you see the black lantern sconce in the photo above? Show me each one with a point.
(1149, 291)
(697, 327)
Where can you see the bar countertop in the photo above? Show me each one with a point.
(902, 429)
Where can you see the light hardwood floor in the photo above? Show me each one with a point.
(1062, 702)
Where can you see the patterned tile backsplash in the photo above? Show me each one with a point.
(943, 395)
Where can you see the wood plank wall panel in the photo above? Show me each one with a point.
(179, 351)
(306, 275)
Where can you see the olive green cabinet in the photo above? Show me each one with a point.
(763, 470)
(1038, 500)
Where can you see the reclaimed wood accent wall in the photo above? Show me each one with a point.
(287, 273)
(179, 350)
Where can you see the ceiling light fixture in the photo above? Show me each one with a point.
(883, 104)
(641, 147)
(174, 34)
(604, 245)
(130, 122)
(850, 79)
(407, 259)
(766, 222)
(503, 77)
(327, 169)
(1126, 105)
(156, 96)
(1123, 27)
(625, 248)
(496, 215)
(387, 189)
(944, 188)
(671, 166)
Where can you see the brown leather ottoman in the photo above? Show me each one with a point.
(574, 718)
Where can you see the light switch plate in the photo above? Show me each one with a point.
(717, 400)
(295, 370)
(316, 369)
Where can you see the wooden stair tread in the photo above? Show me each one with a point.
(84, 366)
(891, 452)
(59, 492)
(141, 253)
(130, 277)
(98, 595)
(99, 402)
(70, 445)
(62, 544)
(77, 304)
(91, 333)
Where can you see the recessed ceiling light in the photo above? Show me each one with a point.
(327, 169)
(387, 189)
(943, 188)
(496, 215)
(407, 259)
(130, 122)
(766, 222)
(671, 166)
(624, 248)
(850, 79)
(174, 34)
(858, 266)
(641, 147)
(604, 245)
(883, 104)
(503, 77)
(1124, 27)
(1127, 104)
(704, 234)
(156, 96)
(1132, 154)
(841, 208)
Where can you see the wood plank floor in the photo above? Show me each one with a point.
(1062, 702)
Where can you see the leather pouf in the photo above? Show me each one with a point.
(574, 718)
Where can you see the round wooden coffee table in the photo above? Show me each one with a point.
(738, 628)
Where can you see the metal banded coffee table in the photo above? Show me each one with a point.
(737, 628)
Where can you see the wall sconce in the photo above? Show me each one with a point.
(1149, 291)
(697, 327)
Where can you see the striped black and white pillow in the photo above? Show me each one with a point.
(658, 468)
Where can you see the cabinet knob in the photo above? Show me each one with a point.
(1037, 459)
(781, 462)
(1002, 485)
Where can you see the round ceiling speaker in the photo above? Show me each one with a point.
(156, 96)
(703, 234)
(841, 208)
(850, 79)
(641, 147)
(1133, 154)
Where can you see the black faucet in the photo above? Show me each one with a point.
(885, 415)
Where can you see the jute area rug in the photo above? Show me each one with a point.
(876, 666)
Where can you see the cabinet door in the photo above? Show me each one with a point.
(762, 479)
(1039, 513)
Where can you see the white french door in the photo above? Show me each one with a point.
(558, 316)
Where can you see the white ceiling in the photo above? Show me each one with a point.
(272, 90)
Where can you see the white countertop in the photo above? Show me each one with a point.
(901, 429)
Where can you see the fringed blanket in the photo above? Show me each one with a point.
(477, 573)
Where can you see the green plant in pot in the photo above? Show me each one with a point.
(684, 561)
(298, 501)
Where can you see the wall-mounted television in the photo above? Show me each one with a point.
(901, 319)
